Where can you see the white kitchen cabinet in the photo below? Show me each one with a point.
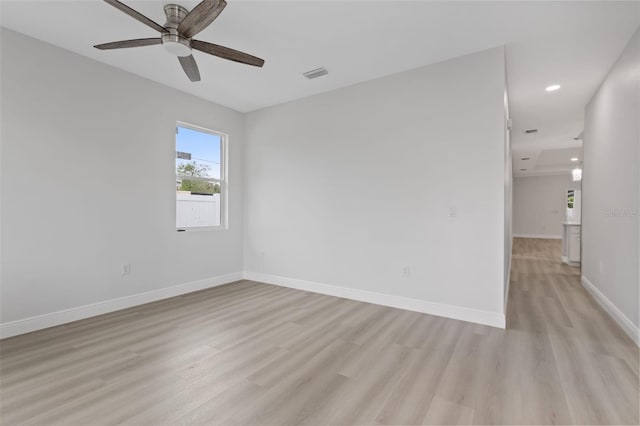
(571, 239)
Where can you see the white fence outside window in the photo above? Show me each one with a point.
(197, 210)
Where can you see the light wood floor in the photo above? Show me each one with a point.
(249, 353)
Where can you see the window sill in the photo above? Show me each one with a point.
(201, 229)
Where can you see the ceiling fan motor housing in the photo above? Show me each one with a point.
(175, 14)
(173, 42)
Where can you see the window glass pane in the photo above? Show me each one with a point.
(198, 178)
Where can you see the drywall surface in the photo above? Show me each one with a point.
(88, 183)
(357, 187)
(539, 205)
(610, 254)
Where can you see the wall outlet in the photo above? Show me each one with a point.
(405, 271)
(125, 269)
(453, 212)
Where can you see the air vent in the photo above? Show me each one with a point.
(531, 131)
(318, 72)
(526, 158)
(523, 170)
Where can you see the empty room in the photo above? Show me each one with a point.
(319, 212)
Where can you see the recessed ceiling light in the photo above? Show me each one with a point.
(575, 159)
(526, 158)
(552, 88)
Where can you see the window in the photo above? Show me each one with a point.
(570, 204)
(200, 178)
(574, 206)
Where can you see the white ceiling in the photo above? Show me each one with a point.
(541, 161)
(571, 43)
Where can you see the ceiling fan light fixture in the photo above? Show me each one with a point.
(176, 45)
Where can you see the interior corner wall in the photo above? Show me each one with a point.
(539, 205)
(348, 188)
(611, 190)
(88, 183)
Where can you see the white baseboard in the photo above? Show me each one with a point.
(625, 323)
(53, 319)
(40, 322)
(541, 236)
(477, 316)
(565, 259)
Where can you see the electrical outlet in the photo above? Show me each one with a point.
(125, 269)
(405, 271)
(453, 212)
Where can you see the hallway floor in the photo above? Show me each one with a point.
(577, 365)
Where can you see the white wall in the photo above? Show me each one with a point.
(88, 183)
(610, 254)
(539, 205)
(345, 187)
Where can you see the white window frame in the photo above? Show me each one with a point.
(223, 181)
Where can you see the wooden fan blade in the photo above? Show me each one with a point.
(190, 67)
(200, 17)
(139, 42)
(136, 15)
(227, 53)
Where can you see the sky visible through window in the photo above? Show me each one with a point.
(203, 147)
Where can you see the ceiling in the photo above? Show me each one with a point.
(541, 161)
(570, 43)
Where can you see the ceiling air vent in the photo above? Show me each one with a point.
(526, 158)
(530, 131)
(318, 72)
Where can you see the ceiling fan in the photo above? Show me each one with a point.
(176, 36)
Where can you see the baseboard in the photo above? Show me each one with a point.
(540, 236)
(493, 319)
(40, 322)
(53, 319)
(565, 259)
(625, 323)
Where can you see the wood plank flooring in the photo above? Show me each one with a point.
(256, 354)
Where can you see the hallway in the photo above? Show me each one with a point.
(573, 356)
